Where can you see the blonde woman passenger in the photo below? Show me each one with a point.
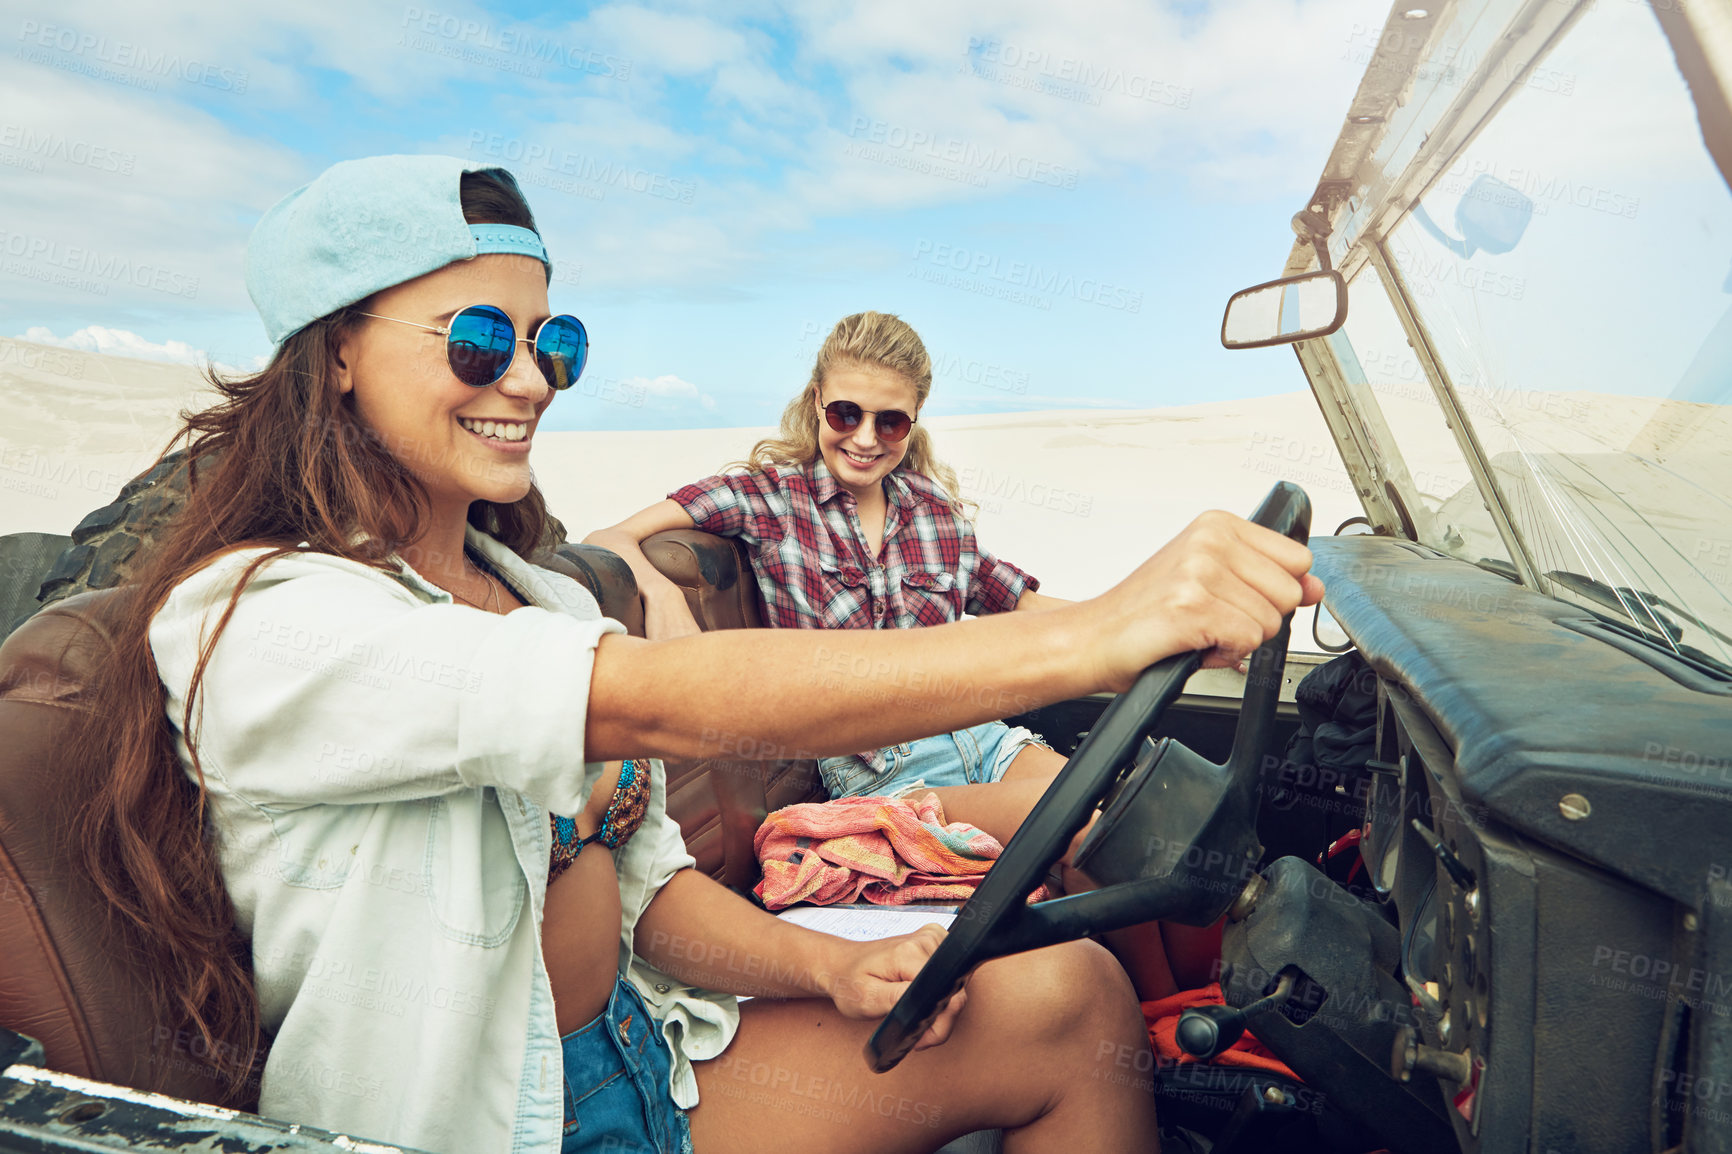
(852, 522)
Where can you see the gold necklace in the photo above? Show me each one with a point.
(492, 605)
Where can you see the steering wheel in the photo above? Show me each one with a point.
(1168, 803)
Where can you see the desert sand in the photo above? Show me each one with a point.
(1636, 488)
(1075, 497)
(75, 427)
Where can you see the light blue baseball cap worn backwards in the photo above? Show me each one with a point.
(365, 225)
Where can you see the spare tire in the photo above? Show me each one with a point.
(24, 558)
(109, 541)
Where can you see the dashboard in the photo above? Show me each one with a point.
(1423, 857)
(1546, 962)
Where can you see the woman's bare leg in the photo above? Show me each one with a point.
(1000, 808)
(1050, 1047)
(997, 808)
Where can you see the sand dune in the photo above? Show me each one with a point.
(1076, 497)
(1634, 486)
(74, 427)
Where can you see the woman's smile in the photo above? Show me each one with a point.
(506, 435)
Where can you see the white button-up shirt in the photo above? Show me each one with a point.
(381, 763)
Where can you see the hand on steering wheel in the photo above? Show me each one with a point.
(1187, 799)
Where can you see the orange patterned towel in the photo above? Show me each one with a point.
(877, 849)
(1162, 1015)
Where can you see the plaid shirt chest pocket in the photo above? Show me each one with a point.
(844, 595)
(930, 597)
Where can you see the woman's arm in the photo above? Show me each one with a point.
(700, 932)
(1032, 600)
(800, 693)
(666, 613)
(1221, 586)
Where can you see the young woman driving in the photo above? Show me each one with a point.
(360, 755)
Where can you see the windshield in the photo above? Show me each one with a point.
(1573, 271)
(1420, 456)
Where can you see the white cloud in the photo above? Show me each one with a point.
(1241, 100)
(272, 53)
(670, 392)
(1101, 88)
(121, 343)
(739, 125)
(127, 200)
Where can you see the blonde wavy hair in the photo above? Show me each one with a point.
(868, 340)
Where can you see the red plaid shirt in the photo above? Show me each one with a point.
(803, 530)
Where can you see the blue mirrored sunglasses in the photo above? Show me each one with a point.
(481, 342)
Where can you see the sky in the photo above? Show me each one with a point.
(1059, 200)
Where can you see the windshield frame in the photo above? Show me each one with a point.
(1413, 116)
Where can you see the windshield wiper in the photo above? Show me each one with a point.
(1655, 625)
(1500, 567)
(1619, 600)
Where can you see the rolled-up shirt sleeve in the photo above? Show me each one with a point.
(714, 504)
(655, 853)
(339, 685)
(997, 586)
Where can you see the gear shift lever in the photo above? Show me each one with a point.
(1204, 1032)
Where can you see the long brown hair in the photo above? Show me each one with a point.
(875, 340)
(282, 458)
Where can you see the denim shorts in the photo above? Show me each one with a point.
(967, 757)
(616, 1083)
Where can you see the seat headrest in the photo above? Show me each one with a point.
(606, 575)
(713, 574)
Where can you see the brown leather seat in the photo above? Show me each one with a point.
(61, 980)
(607, 576)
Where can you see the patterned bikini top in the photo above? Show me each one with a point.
(625, 812)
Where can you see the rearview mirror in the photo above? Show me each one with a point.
(1294, 308)
(1491, 217)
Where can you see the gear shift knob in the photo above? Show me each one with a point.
(1205, 1031)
